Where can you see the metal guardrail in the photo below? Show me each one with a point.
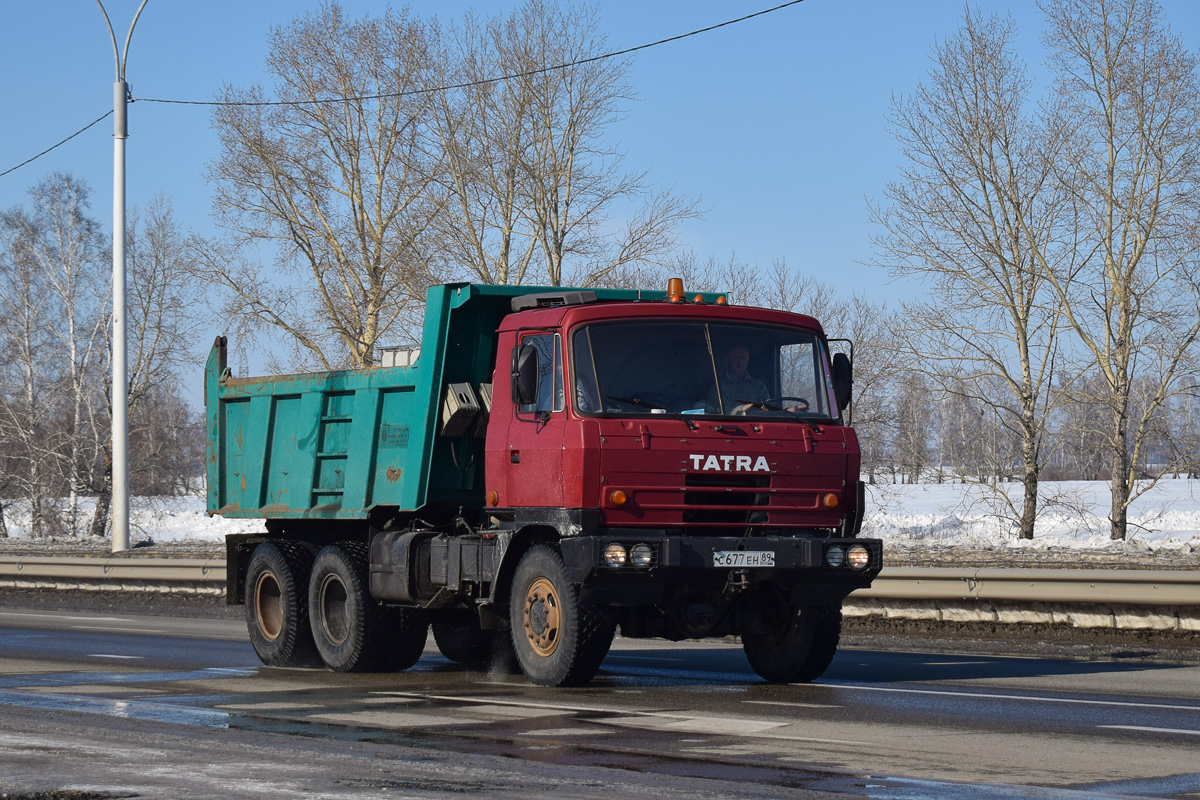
(141, 570)
(992, 584)
(1038, 585)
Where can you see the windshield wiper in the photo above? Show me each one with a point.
(640, 403)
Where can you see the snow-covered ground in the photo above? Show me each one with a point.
(1074, 516)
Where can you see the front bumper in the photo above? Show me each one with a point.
(800, 566)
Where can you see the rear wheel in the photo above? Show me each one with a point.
(277, 604)
(346, 620)
(795, 646)
(558, 641)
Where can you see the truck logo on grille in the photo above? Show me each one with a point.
(705, 463)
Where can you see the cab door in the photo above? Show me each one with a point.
(535, 441)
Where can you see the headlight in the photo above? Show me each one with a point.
(614, 555)
(858, 556)
(641, 555)
(835, 557)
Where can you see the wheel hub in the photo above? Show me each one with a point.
(268, 606)
(542, 617)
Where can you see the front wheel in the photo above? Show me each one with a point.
(798, 647)
(558, 641)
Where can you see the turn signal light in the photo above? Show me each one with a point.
(830, 500)
(493, 498)
(618, 497)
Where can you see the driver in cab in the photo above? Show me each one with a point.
(738, 391)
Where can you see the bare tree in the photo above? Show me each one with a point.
(1131, 102)
(976, 216)
(533, 192)
(30, 389)
(338, 178)
(160, 323)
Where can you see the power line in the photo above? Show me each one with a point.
(52, 147)
(481, 82)
(411, 92)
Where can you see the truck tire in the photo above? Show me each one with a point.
(558, 641)
(471, 646)
(405, 631)
(346, 620)
(277, 604)
(800, 649)
(462, 643)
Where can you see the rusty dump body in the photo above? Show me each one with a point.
(674, 466)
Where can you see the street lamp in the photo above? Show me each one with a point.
(120, 379)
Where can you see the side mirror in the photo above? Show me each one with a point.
(843, 380)
(524, 375)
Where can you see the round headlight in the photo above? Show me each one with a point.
(858, 556)
(614, 555)
(835, 556)
(641, 555)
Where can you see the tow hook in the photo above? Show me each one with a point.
(738, 581)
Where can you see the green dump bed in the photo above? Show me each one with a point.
(333, 445)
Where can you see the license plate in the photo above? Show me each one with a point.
(744, 558)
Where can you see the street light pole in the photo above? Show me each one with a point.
(120, 379)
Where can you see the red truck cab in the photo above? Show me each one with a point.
(690, 463)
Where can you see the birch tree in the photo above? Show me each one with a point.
(976, 216)
(1130, 101)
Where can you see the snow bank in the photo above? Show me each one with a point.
(1071, 515)
(1074, 515)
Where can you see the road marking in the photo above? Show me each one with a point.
(107, 655)
(990, 696)
(1151, 730)
(119, 630)
(624, 657)
(791, 705)
(48, 615)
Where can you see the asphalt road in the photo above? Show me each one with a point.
(120, 705)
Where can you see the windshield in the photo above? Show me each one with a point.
(700, 368)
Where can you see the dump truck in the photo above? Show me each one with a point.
(547, 467)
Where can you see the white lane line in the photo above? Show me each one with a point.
(1151, 730)
(990, 696)
(790, 705)
(51, 616)
(118, 630)
(106, 655)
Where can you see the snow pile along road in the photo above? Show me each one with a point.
(914, 518)
(1072, 516)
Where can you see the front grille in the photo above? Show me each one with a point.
(726, 500)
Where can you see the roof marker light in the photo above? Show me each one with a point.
(675, 290)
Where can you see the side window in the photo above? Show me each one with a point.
(550, 372)
(799, 368)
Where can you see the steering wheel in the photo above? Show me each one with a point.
(780, 403)
(787, 401)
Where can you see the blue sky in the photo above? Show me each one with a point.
(776, 124)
